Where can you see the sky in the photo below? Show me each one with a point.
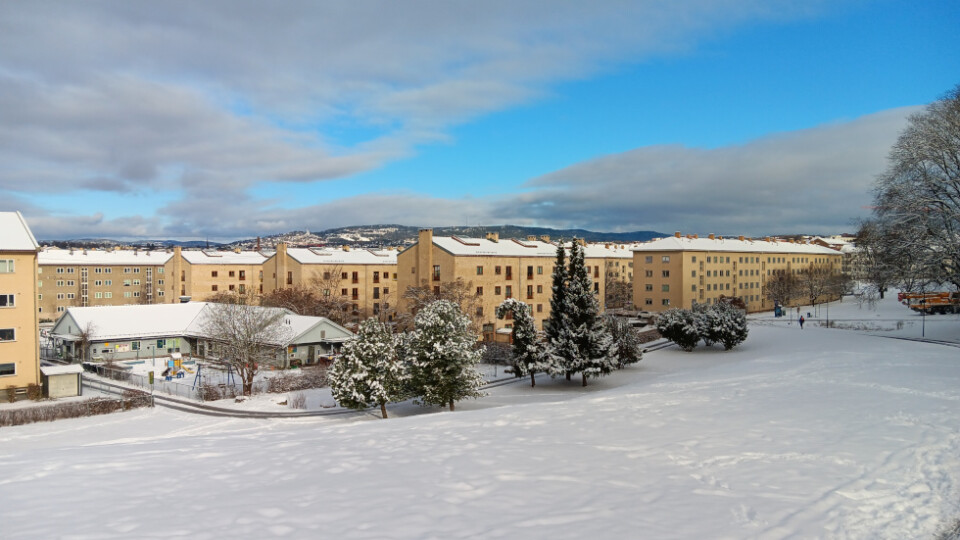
(224, 120)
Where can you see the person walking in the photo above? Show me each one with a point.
(801, 322)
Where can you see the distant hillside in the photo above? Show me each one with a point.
(366, 236)
(398, 235)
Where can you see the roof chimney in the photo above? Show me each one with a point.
(740, 238)
(531, 237)
(346, 248)
(236, 249)
(676, 234)
(696, 236)
(493, 236)
(711, 237)
(545, 238)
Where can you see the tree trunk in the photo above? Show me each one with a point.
(451, 405)
(383, 409)
(568, 375)
(584, 378)
(533, 381)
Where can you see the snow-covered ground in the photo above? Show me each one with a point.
(813, 433)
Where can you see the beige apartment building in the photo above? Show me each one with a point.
(496, 269)
(80, 277)
(200, 274)
(363, 281)
(19, 340)
(682, 270)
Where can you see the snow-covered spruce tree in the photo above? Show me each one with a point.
(593, 342)
(680, 327)
(529, 354)
(442, 356)
(368, 372)
(705, 322)
(728, 324)
(559, 328)
(626, 343)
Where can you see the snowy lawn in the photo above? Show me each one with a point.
(813, 433)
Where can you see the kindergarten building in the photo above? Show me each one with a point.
(141, 332)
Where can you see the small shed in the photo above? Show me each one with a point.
(61, 381)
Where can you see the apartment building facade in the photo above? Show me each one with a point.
(19, 321)
(79, 278)
(363, 281)
(202, 274)
(495, 270)
(682, 270)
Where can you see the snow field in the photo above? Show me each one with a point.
(812, 433)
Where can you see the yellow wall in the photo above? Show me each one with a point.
(24, 350)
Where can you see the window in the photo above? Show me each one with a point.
(665, 273)
(479, 311)
(648, 259)
(108, 270)
(108, 282)
(136, 282)
(479, 270)
(665, 288)
(71, 296)
(343, 275)
(326, 275)
(693, 273)
(8, 369)
(479, 291)
(496, 291)
(539, 308)
(436, 272)
(243, 289)
(596, 286)
(108, 295)
(127, 294)
(7, 334)
(232, 273)
(159, 293)
(136, 270)
(98, 295)
(648, 287)
(648, 273)
(509, 272)
(61, 296)
(59, 270)
(376, 277)
(386, 291)
(540, 270)
(539, 289)
(126, 270)
(98, 282)
(497, 270)
(529, 272)
(6, 300)
(126, 283)
(666, 259)
(355, 277)
(355, 294)
(159, 282)
(529, 291)
(231, 287)
(693, 259)
(376, 293)
(243, 275)
(665, 302)
(648, 301)
(71, 283)
(136, 294)
(509, 292)
(214, 288)
(59, 283)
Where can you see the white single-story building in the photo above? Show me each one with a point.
(159, 330)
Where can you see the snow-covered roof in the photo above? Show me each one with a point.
(15, 235)
(512, 247)
(50, 256)
(224, 257)
(164, 320)
(133, 321)
(732, 245)
(61, 370)
(340, 256)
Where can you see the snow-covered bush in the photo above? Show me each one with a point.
(368, 372)
(679, 326)
(626, 341)
(726, 324)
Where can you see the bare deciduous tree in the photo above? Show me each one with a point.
(918, 196)
(247, 337)
(459, 292)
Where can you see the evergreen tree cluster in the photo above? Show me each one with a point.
(576, 339)
(717, 323)
(434, 364)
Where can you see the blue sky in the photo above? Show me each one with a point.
(237, 119)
